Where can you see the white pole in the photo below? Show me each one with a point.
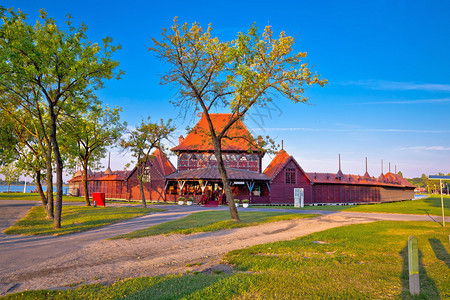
(25, 186)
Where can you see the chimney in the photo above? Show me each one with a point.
(180, 139)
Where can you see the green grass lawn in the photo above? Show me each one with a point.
(211, 221)
(35, 197)
(74, 219)
(365, 261)
(428, 206)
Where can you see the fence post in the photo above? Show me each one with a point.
(413, 263)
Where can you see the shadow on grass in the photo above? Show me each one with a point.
(428, 288)
(178, 287)
(440, 251)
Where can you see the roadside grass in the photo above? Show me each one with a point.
(35, 197)
(428, 206)
(364, 261)
(67, 198)
(74, 219)
(167, 287)
(211, 221)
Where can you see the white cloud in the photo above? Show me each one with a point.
(424, 148)
(400, 86)
(350, 130)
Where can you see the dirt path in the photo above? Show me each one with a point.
(104, 261)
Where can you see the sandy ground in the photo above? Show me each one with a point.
(104, 261)
(108, 260)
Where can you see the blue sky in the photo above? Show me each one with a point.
(387, 65)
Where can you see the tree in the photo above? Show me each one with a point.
(234, 75)
(88, 135)
(141, 141)
(49, 69)
(11, 173)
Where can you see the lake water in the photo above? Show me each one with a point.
(19, 188)
(416, 197)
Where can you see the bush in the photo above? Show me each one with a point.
(236, 200)
(191, 199)
(245, 201)
(181, 199)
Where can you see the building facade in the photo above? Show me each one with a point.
(197, 175)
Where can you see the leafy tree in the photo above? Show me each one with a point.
(400, 173)
(46, 69)
(88, 135)
(235, 75)
(141, 141)
(11, 173)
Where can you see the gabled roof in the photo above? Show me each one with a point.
(212, 173)
(199, 138)
(157, 158)
(278, 163)
(160, 161)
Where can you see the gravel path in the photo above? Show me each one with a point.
(30, 263)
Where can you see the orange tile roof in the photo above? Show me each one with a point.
(199, 138)
(162, 162)
(277, 164)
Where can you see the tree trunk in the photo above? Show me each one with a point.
(226, 183)
(48, 158)
(59, 169)
(41, 193)
(85, 184)
(141, 188)
(8, 187)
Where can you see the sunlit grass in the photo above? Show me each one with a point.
(35, 197)
(74, 219)
(365, 261)
(212, 221)
(428, 206)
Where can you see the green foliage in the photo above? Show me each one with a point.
(11, 172)
(75, 219)
(212, 221)
(45, 72)
(89, 133)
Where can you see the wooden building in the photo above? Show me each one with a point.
(125, 184)
(198, 177)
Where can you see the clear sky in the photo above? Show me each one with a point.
(387, 65)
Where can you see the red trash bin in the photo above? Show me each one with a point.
(98, 199)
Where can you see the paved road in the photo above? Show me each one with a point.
(19, 252)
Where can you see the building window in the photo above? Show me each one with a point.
(290, 175)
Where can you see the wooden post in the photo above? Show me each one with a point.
(442, 203)
(413, 263)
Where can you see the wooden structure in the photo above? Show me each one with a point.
(125, 184)
(198, 177)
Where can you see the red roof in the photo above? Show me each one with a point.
(277, 163)
(330, 178)
(160, 160)
(157, 158)
(199, 138)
